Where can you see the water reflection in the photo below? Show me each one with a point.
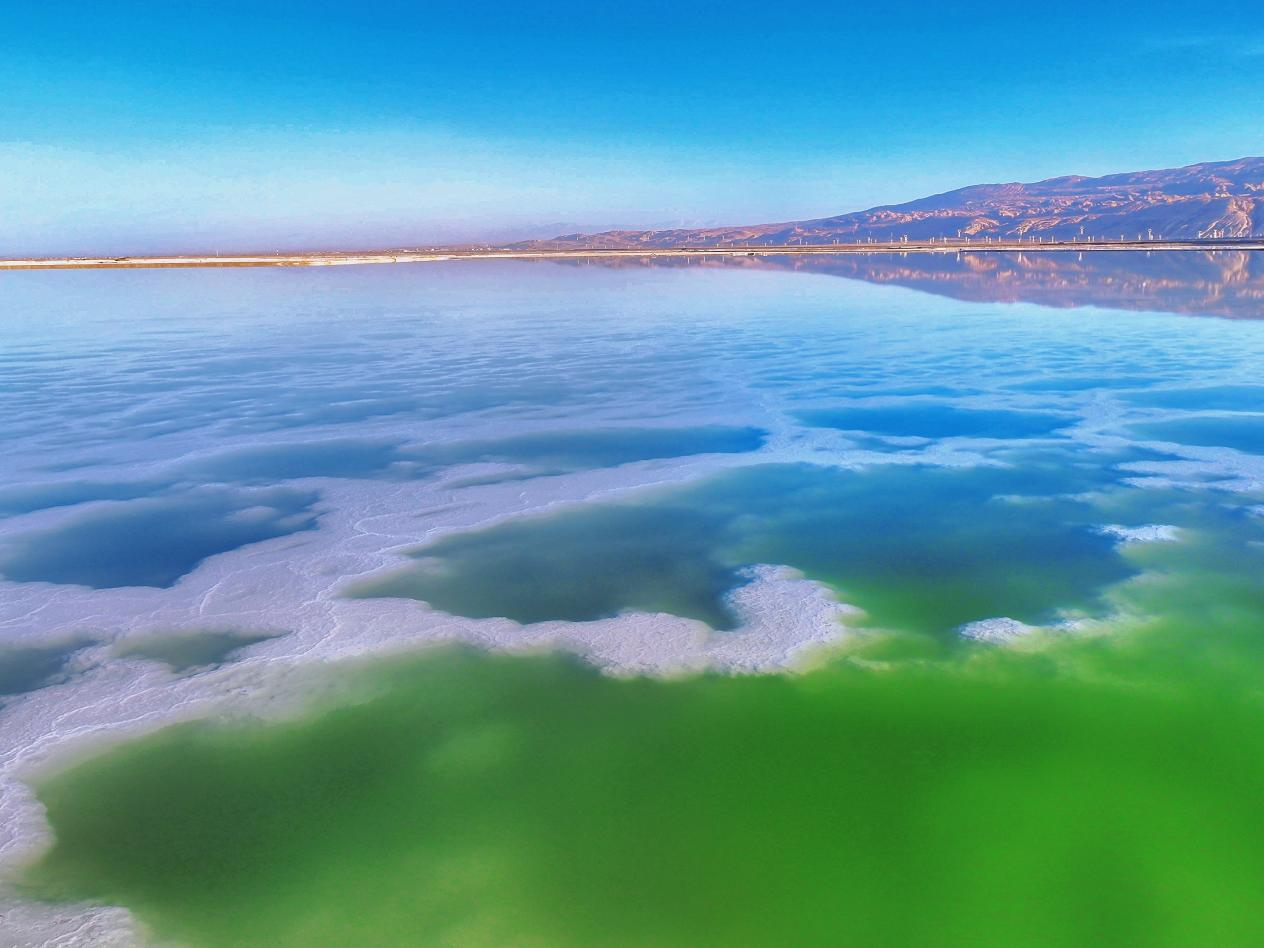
(1227, 283)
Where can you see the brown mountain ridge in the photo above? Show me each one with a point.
(1223, 199)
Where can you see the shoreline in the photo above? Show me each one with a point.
(325, 259)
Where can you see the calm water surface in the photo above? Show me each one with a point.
(1038, 722)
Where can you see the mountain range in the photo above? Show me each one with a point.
(1224, 198)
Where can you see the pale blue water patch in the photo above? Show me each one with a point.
(31, 497)
(536, 454)
(1239, 432)
(1211, 398)
(1059, 383)
(543, 452)
(340, 457)
(153, 541)
(921, 549)
(935, 391)
(930, 420)
(562, 451)
(25, 668)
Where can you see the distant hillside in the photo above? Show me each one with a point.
(1225, 197)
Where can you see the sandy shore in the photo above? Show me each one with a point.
(421, 256)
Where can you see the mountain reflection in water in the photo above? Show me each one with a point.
(1226, 283)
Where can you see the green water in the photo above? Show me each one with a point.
(477, 800)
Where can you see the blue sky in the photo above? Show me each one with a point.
(129, 126)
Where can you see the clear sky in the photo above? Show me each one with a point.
(137, 126)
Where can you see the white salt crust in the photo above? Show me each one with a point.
(1150, 533)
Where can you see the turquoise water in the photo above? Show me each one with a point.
(238, 492)
(28, 668)
(920, 549)
(181, 651)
